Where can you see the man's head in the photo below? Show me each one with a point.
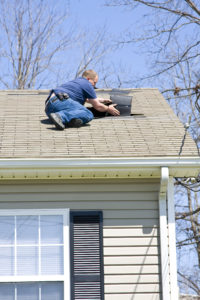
(91, 76)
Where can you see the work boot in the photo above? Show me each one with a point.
(75, 123)
(57, 121)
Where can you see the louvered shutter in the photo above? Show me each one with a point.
(86, 256)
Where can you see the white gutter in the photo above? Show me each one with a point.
(98, 168)
(155, 161)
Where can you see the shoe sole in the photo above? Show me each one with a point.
(57, 121)
(75, 123)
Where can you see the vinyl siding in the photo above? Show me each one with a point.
(130, 228)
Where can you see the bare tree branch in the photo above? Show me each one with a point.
(171, 39)
(31, 27)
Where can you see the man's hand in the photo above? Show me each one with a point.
(112, 110)
(103, 108)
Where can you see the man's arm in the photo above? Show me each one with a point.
(104, 101)
(104, 108)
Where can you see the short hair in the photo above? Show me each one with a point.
(91, 74)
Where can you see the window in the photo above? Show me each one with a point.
(34, 255)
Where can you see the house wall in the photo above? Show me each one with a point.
(131, 227)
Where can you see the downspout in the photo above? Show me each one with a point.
(172, 241)
(164, 233)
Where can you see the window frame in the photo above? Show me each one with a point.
(65, 278)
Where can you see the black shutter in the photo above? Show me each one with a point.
(86, 255)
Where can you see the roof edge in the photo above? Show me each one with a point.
(81, 168)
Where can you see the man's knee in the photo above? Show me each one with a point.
(88, 116)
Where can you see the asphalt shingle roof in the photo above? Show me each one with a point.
(152, 131)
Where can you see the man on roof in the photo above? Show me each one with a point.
(66, 108)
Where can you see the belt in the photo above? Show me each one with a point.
(59, 96)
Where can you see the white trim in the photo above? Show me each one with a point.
(39, 246)
(163, 233)
(32, 278)
(172, 241)
(15, 246)
(102, 162)
(66, 240)
(31, 245)
(34, 212)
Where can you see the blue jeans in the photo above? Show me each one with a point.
(68, 109)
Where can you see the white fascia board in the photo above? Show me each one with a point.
(102, 162)
(97, 167)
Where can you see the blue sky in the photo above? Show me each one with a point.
(88, 17)
(91, 15)
(96, 13)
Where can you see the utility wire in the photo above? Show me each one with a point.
(187, 125)
(192, 184)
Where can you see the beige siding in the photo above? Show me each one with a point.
(127, 260)
(129, 296)
(131, 233)
(131, 269)
(116, 279)
(139, 250)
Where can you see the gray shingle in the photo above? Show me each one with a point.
(152, 131)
